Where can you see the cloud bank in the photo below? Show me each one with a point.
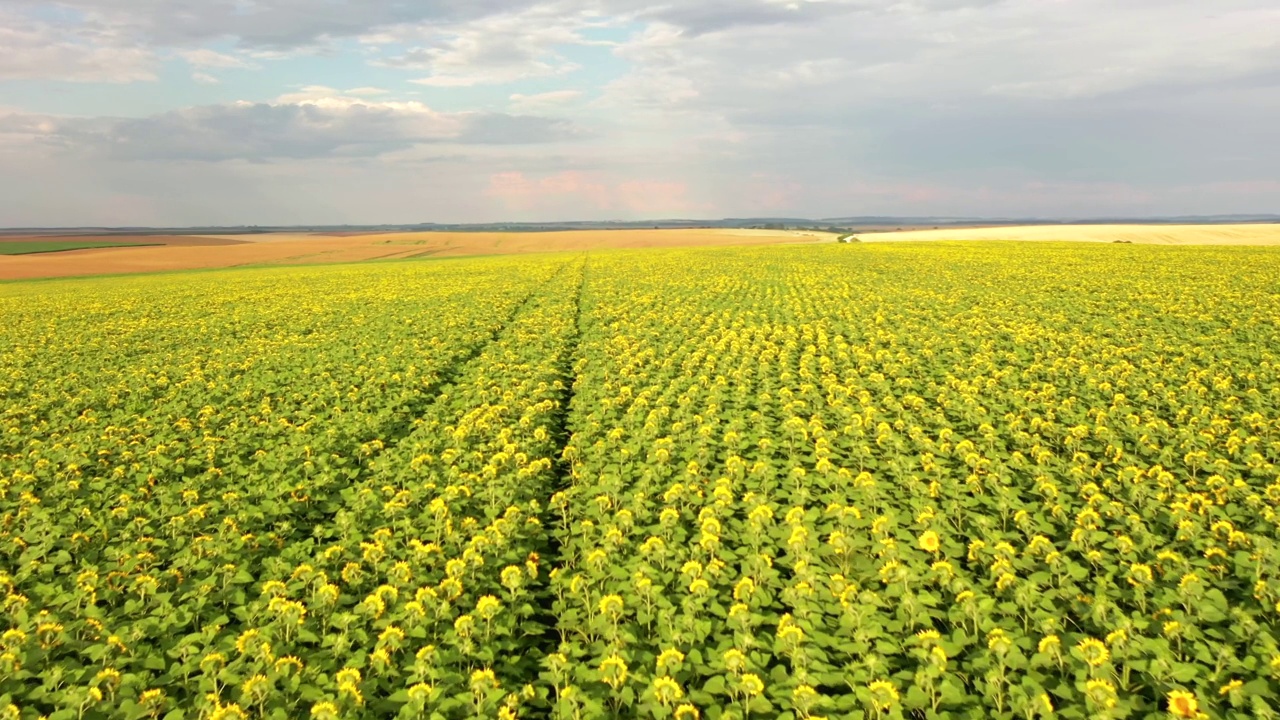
(484, 110)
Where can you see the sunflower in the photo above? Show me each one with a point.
(883, 695)
(613, 671)
(669, 660)
(1093, 651)
(1101, 693)
(1183, 704)
(667, 690)
(752, 685)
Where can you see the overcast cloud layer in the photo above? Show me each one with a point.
(185, 112)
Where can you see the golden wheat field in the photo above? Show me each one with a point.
(1244, 234)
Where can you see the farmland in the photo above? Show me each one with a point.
(873, 481)
(100, 255)
(31, 247)
(1243, 234)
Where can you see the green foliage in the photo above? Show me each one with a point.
(871, 482)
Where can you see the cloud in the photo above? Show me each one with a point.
(494, 50)
(915, 54)
(303, 126)
(1079, 91)
(282, 24)
(1074, 56)
(270, 24)
(543, 101)
(206, 58)
(707, 16)
(803, 107)
(32, 50)
(502, 129)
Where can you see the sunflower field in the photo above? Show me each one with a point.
(871, 481)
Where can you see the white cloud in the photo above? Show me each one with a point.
(206, 58)
(542, 101)
(310, 93)
(32, 50)
(491, 51)
(309, 124)
(205, 78)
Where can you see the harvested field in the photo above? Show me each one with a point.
(1252, 234)
(222, 251)
(110, 261)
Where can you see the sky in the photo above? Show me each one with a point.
(273, 112)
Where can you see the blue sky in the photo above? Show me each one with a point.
(177, 112)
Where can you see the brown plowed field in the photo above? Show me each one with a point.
(220, 251)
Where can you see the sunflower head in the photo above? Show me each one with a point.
(1183, 704)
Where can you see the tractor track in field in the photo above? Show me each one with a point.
(550, 551)
(394, 432)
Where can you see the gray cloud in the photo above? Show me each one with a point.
(706, 16)
(268, 23)
(1033, 50)
(304, 129)
(291, 23)
(1060, 90)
